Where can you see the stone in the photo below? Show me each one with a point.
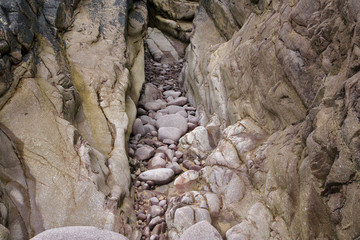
(159, 176)
(154, 201)
(148, 128)
(201, 231)
(148, 120)
(154, 106)
(172, 120)
(77, 233)
(184, 218)
(156, 211)
(155, 221)
(181, 101)
(156, 162)
(175, 167)
(144, 153)
(138, 128)
(171, 133)
(171, 93)
(186, 179)
(214, 203)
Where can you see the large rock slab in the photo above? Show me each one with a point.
(78, 233)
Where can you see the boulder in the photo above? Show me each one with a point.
(202, 230)
(78, 233)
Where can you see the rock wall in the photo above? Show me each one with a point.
(71, 74)
(277, 84)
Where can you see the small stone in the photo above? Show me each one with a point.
(154, 201)
(172, 93)
(156, 162)
(138, 127)
(173, 120)
(195, 168)
(141, 111)
(148, 128)
(168, 141)
(162, 203)
(155, 221)
(174, 159)
(181, 101)
(144, 153)
(157, 230)
(141, 216)
(175, 167)
(178, 154)
(172, 109)
(159, 176)
(169, 133)
(154, 133)
(156, 211)
(154, 106)
(172, 146)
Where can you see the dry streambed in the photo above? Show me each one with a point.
(164, 116)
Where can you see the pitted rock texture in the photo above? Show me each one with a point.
(69, 82)
(277, 90)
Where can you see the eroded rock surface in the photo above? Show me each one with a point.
(277, 90)
(67, 101)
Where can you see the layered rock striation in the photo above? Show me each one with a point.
(277, 84)
(71, 75)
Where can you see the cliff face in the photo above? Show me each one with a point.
(278, 86)
(71, 73)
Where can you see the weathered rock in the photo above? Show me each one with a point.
(169, 133)
(181, 101)
(144, 153)
(78, 233)
(202, 231)
(172, 120)
(156, 162)
(138, 128)
(159, 176)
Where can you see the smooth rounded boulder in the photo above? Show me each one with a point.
(78, 233)
(159, 176)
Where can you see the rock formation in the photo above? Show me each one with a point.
(70, 79)
(261, 142)
(279, 83)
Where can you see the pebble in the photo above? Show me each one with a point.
(169, 133)
(181, 101)
(144, 153)
(154, 201)
(155, 221)
(152, 106)
(156, 162)
(178, 154)
(138, 127)
(175, 167)
(162, 203)
(159, 176)
(156, 211)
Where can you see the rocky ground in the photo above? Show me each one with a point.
(164, 115)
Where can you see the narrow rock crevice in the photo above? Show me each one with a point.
(163, 116)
